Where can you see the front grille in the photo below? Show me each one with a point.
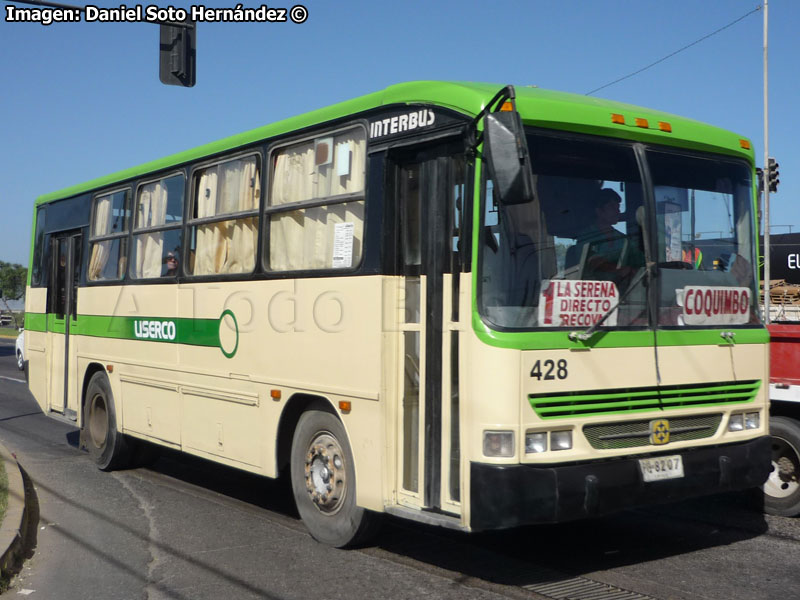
(631, 400)
(632, 434)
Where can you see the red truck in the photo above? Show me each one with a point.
(782, 489)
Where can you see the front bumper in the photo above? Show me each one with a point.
(509, 496)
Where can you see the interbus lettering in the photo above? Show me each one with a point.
(402, 123)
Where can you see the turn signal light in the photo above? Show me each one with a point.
(498, 443)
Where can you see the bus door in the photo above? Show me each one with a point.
(62, 312)
(429, 193)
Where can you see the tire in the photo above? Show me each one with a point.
(324, 482)
(782, 489)
(20, 361)
(108, 448)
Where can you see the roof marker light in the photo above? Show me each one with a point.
(745, 144)
(642, 123)
(666, 127)
(618, 119)
(506, 107)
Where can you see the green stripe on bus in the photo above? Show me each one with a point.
(194, 332)
(559, 340)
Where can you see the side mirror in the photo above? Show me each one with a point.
(507, 153)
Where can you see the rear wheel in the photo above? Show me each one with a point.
(108, 448)
(782, 489)
(324, 482)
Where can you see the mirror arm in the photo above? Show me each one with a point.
(474, 138)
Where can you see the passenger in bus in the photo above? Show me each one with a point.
(171, 263)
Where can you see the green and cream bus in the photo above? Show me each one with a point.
(469, 305)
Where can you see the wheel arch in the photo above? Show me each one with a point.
(295, 407)
(783, 408)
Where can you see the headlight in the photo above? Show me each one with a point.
(535, 441)
(560, 440)
(498, 443)
(752, 420)
(736, 422)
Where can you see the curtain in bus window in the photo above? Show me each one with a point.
(152, 211)
(242, 194)
(100, 250)
(306, 238)
(227, 246)
(207, 260)
(294, 175)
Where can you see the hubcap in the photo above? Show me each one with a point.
(784, 480)
(326, 481)
(98, 421)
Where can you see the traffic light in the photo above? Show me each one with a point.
(178, 54)
(772, 175)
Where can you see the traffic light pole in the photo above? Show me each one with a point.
(766, 175)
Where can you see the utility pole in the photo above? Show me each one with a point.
(765, 172)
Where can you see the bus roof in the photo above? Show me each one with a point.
(539, 107)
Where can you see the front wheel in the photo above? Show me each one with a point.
(782, 488)
(107, 446)
(324, 482)
(20, 361)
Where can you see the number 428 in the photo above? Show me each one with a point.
(549, 370)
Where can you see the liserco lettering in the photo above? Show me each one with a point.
(154, 330)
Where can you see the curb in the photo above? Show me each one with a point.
(14, 524)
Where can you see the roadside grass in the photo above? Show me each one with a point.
(9, 332)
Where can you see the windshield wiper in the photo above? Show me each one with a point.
(588, 333)
(648, 270)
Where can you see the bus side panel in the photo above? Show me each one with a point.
(317, 336)
(35, 344)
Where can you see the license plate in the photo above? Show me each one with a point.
(663, 467)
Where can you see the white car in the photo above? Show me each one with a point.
(21, 349)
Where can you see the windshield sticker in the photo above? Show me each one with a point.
(714, 305)
(577, 303)
(343, 245)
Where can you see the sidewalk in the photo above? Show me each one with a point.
(16, 520)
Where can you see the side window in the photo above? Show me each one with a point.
(224, 225)
(37, 266)
(108, 242)
(315, 212)
(157, 230)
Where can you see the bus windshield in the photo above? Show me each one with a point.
(576, 253)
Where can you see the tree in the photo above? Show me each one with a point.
(13, 278)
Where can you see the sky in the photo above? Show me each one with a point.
(82, 100)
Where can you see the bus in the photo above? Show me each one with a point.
(470, 305)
